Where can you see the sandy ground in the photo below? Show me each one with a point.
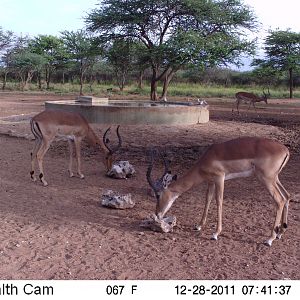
(62, 232)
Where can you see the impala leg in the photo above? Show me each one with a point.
(40, 157)
(287, 197)
(77, 150)
(37, 145)
(209, 195)
(219, 199)
(70, 142)
(271, 186)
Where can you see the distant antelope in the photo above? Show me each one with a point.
(251, 98)
(49, 124)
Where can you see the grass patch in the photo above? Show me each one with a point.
(188, 90)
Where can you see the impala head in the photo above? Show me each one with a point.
(164, 202)
(109, 152)
(160, 185)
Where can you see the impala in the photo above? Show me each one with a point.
(251, 98)
(236, 158)
(49, 124)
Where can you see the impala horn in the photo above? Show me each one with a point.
(106, 141)
(162, 183)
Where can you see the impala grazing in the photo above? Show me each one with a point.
(236, 158)
(251, 98)
(49, 124)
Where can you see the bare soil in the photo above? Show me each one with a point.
(62, 231)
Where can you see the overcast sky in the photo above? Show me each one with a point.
(35, 17)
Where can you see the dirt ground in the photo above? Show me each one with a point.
(62, 231)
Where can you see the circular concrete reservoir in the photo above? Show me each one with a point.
(106, 111)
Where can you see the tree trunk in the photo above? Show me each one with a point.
(167, 80)
(39, 79)
(140, 80)
(28, 79)
(46, 76)
(48, 81)
(81, 79)
(291, 79)
(4, 81)
(153, 92)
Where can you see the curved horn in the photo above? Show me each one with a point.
(148, 174)
(166, 163)
(105, 141)
(120, 140)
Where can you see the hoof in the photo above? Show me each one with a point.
(214, 237)
(197, 228)
(81, 176)
(45, 183)
(268, 243)
(71, 174)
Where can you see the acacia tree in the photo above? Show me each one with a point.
(26, 64)
(282, 53)
(120, 56)
(82, 49)
(175, 32)
(6, 42)
(51, 48)
(6, 38)
(16, 45)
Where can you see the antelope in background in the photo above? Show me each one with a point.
(236, 158)
(251, 98)
(49, 124)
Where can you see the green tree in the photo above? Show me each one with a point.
(120, 56)
(51, 48)
(282, 54)
(15, 45)
(176, 32)
(6, 38)
(25, 64)
(6, 42)
(81, 48)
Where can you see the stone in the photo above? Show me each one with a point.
(121, 170)
(164, 225)
(115, 200)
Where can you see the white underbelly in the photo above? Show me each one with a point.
(238, 168)
(70, 137)
(242, 174)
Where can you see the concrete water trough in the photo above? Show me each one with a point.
(104, 111)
